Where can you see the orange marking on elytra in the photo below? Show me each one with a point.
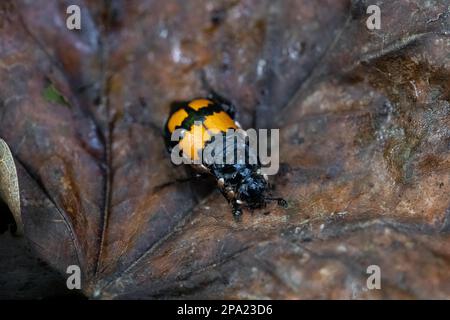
(176, 119)
(199, 103)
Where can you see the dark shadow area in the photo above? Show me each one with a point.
(22, 275)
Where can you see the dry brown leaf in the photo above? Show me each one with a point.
(365, 143)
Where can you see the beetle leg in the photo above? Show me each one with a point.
(196, 177)
(221, 183)
(201, 168)
(226, 104)
(230, 109)
(230, 194)
(282, 203)
(236, 210)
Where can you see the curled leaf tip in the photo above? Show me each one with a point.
(9, 184)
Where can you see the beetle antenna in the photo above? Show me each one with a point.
(204, 82)
(281, 202)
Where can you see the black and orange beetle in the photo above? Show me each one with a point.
(241, 184)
